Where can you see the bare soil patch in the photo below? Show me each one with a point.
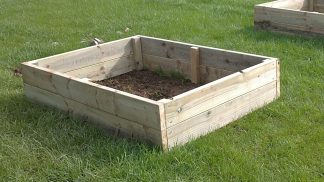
(149, 84)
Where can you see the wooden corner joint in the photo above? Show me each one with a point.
(137, 49)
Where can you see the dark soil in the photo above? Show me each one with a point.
(149, 84)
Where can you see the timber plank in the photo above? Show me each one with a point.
(319, 6)
(138, 58)
(195, 64)
(87, 56)
(294, 20)
(207, 73)
(235, 83)
(213, 57)
(207, 96)
(221, 115)
(124, 105)
(104, 70)
(112, 123)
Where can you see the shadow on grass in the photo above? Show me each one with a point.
(34, 124)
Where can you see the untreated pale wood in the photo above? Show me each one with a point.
(319, 6)
(104, 70)
(220, 115)
(195, 65)
(207, 73)
(87, 56)
(110, 100)
(212, 57)
(137, 47)
(288, 4)
(114, 124)
(278, 78)
(207, 96)
(276, 17)
(236, 84)
(311, 5)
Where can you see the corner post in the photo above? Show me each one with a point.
(311, 5)
(138, 57)
(195, 65)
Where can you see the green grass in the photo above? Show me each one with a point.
(282, 141)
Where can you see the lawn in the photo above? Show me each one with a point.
(282, 141)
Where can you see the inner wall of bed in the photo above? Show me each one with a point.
(176, 57)
(117, 57)
(94, 63)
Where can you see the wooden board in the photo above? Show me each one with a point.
(207, 73)
(277, 18)
(104, 70)
(319, 6)
(212, 57)
(215, 93)
(288, 4)
(116, 102)
(138, 58)
(221, 115)
(195, 65)
(87, 56)
(115, 125)
(236, 84)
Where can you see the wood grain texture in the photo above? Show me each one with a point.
(288, 4)
(220, 115)
(236, 83)
(277, 18)
(278, 77)
(215, 93)
(195, 65)
(319, 6)
(104, 70)
(137, 47)
(115, 125)
(87, 56)
(110, 100)
(211, 57)
(310, 5)
(207, 73)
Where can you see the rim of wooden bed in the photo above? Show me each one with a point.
(280, 5)
(266, 60)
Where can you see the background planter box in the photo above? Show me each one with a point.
(296, 16)
(234, 85)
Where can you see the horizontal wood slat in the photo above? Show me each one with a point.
(104, 70)
(207, 73)
(116, 102)
(232, 85)
(212, 57)
(301, 20)
(115, 125)
(87, 56)
(220, 115)
(203, 98)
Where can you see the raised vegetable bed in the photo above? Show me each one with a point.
(295, 16)
(226, 86)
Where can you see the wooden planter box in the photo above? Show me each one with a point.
(296, 16)
(234, 84)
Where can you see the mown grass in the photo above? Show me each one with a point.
(280, 142)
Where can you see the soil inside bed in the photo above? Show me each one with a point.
(149, 84)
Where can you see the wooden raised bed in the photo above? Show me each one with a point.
(293, 16)
(233, 84)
